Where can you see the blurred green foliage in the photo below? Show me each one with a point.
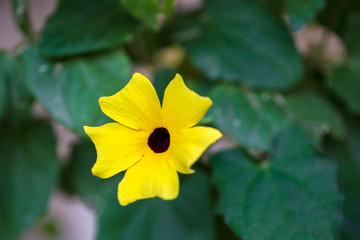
(290, 117)
(29, 172)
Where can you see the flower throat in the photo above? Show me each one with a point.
(159, 140)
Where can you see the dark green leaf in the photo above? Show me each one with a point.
(242, 41)
(14, 95)
(300, 12)
(352, 35)
(187, 217)
(20, 95)
(148, 10)
(4, 96)
(20, 12)
(70, 90)
(292, 196)
(347, 155)
(344, 80)
(80, 26)
(252, 119)
(28, 173)
(317, 115)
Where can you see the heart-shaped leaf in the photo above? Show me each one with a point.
(293, 195)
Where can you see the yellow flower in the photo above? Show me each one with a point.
(150, 142)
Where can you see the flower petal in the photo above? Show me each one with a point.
(188, 145)
(182, 107)
(118, 147)
(150, 177)
(136, 106)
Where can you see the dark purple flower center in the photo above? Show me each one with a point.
(159, 140)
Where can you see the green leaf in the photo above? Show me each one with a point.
(80, 26)
(70, 90)
(300, 12)
(344, 81)
(77, 178)
(20, 12)
(316, 114)
(243, 41)
(4, 98)
(28, 173)
(187, 217)
(148, 10)
(252, 119)
(294, 195)
(15, 98)
(352, 35)
(347, 155)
